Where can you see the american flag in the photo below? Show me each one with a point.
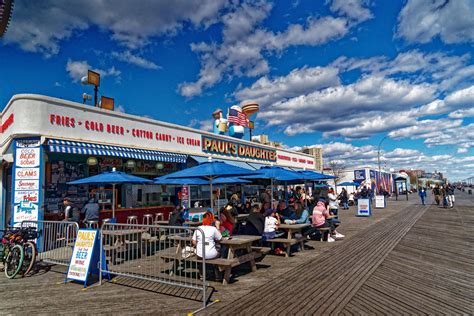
(237, 117)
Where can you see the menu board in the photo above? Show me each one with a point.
(82, 255)
(26, 193)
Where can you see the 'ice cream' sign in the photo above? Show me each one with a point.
(27, 178)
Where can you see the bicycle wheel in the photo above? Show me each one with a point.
(30, 251)
(14, 261)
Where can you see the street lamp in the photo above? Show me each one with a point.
(378, 152)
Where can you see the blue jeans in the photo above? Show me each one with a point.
(346, 205)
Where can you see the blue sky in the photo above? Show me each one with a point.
(338, 73)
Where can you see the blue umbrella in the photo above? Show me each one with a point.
(320, 185)
(347, 184)
(275, 173)
(314, 176)
(111, 177)
(210, 171)
(230, 180)
(180, 181)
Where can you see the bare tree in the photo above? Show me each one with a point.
(337, 169)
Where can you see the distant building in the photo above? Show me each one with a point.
(317, 153)
(263, 139)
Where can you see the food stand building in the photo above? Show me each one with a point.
(46, 142)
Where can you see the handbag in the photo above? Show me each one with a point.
(188, 252)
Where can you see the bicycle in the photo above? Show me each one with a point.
(19, 251)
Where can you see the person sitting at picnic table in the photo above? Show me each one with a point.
(255, 223)
(176, 216)
(247, 207)
(272, 222)
(286, 213)
(211, 235)
(227, 222)
(320, 220)
(301, 213)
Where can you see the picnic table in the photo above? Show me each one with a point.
(122, 241)
(290, 240)
(240, 242)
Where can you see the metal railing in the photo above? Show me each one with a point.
(161, 254)
(55, 240)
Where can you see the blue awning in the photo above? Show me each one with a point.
(256, 166)
(240, 164)
(81, 148)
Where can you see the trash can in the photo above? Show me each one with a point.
(469, 191)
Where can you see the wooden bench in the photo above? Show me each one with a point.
(324, 231)
(224, 265)
(288, 243)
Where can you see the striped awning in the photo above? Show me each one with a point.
(80, 148)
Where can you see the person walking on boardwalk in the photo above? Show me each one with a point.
(344, 197)
(450, 195)
(437, 194)
(422, 194)
(444, 196)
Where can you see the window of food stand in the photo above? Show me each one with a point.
(62, 168)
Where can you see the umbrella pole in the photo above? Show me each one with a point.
(210, 184)
(271, 197)
(305, 195)
(113, 200)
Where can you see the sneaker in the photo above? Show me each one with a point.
(330, 239)
(338, 235)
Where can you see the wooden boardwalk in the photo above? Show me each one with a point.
(419, 261)
(405, 259)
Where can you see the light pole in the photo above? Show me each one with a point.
(378, 152)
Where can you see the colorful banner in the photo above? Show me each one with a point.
(27, 193)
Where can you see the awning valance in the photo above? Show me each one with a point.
(81, 148)
(240, 164)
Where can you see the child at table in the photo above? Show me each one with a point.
(272, 222)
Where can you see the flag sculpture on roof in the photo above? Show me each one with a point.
(237, 120)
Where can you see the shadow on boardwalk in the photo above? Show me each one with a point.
(405, 258)
(418, 261)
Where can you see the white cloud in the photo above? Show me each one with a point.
(78, 69)
(448, 71)
(129, 57)
(132, 25)
(462, 113)
(266, 91)
(344, 110)
(454, 167)
(353, 9)
(245, 44)
(203, 125)
(425, 128)
(453, 21)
